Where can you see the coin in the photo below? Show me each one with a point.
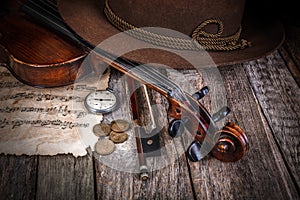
(101, 130)
(118, 137)
(119, 125)
(104, 147)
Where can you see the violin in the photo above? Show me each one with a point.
(35, 55)
(189, 115)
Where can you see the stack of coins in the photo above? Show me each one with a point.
(116, 132)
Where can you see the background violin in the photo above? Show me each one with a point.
(42, 58)
(34, 54)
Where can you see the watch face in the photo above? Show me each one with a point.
(100, 101)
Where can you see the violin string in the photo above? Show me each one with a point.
(145, 71)
(150, 72)
(47, 5)
(51, 5)
(59, 22)
(51, 12)
(55, 24)
(43, 6)
(55, 14)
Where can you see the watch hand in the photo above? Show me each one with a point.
(104, 99)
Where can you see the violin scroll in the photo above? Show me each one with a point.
(232, 144)
(228, 145)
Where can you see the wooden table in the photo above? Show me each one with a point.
(264, 97)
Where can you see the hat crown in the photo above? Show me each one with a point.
(182, 16)
(89, 20)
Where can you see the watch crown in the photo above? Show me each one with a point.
(109, 89)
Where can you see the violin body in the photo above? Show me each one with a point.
(35, 55)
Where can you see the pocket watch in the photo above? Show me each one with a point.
(101, 101)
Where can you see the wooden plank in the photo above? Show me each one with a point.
(261, 174)
(291, 64)
(65, 177)
(290, 50)
(17, 177)
(292, 43)
(169, 182)
(279, 97)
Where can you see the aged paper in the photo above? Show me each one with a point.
(35, 121)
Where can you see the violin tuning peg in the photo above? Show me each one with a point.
(201, 93)
(176, 128)
(223, 112)
(193, 152)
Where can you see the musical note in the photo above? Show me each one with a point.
(51, 117)
(55, 124)
(63, 110)
(11, 84)
(41, 97)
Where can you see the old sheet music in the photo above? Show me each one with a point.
(36, 121)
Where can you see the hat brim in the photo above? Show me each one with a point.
(87, 19)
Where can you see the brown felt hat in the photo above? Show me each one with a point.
(228, 31)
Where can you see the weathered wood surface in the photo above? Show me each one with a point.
(264, 99)
(279, 96)
(65, 177)
(258, 176)
(290, 50)
(292, 66)
(18, 175)
(292, 43)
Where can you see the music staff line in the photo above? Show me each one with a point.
(63, 110)
(54, 124)
(41, 97)
(11, 84)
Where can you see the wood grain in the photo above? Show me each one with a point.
(18, 177)
(257, 174)
(65, 177)
(291, 64)
(279, 97)
(292, 43)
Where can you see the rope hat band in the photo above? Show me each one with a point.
(201, 40)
